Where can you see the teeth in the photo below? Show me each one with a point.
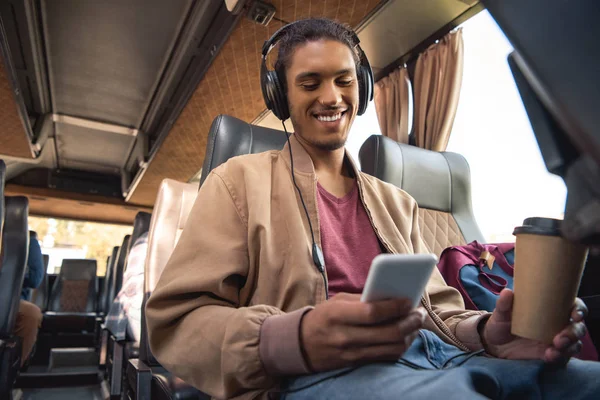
(327, 118)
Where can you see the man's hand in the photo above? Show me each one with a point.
(501, 343)
(345, 331)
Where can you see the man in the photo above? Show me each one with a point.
(29, 317)
(241, 310)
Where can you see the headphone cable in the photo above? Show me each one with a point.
(317, 254)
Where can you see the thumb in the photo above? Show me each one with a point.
(503, 311)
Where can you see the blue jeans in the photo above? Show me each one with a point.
(433, 369)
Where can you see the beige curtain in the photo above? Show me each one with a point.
(391, 104)
(438, 77)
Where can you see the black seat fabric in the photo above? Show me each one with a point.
(141, 225)
(117, 278)
(230, 137)
(76, 288)
(15, 246)
(2, 182)
(39, 296)
(440, 182)
(108, 281)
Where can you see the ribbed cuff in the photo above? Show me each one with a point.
(466, 331)
(279, 346)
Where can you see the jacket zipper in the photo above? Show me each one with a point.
(436, 319)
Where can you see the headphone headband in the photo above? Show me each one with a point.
(272, 41)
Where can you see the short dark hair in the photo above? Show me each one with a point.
(311, 30)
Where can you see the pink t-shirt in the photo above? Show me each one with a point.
(348, 240)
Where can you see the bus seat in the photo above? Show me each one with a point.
(229, 137)
(118, 352)
(75, 288)
(39, 296)
(141, 225)
(117, 278)
(15, 245)
(440, 182)
(145, 376)
(108, 281)
(2, 182)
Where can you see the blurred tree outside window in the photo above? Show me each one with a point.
(60, 239)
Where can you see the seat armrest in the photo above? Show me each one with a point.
(139, 379)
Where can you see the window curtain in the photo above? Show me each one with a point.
(391, 104)
(437, 82)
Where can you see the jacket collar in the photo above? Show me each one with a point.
(302, 161)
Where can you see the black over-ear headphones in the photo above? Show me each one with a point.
(273, 87)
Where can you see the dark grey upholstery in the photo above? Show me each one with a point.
(141, 225)
(106, 299)
(437, 181)
(39, 296)
(2, 182)
(117, 278)
(230, 137)
(15, 242)
(76, 287)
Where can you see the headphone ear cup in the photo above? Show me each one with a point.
(279, 99)
(365, 88)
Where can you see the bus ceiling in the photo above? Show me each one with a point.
(108, 91)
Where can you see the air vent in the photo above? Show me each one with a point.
(260, 12)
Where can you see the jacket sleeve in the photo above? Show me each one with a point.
(35, 265)
(446, 301)
(197, 327)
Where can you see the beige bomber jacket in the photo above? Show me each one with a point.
(245, 255)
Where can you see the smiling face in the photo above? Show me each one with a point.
(322, 91)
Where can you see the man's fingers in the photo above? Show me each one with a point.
(556, 356)
(579, 311)
(503, 311)
(359, 313)
(392, 333)
(569, 335)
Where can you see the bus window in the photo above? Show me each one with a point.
(509, 179)
(60, 239)
(364, 126)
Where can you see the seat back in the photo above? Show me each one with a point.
(2, 182)
(15, 248)
(39, 296)
(230, 137)
(171, 210)
(108, 281)
(141, 225)
(440, 182)
(117, 278)
(76, 287)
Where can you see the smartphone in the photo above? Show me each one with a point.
(398, 275)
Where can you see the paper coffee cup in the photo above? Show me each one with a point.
(548, 269)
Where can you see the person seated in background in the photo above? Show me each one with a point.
(247, 307)
(29, 317)
(124, 318)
